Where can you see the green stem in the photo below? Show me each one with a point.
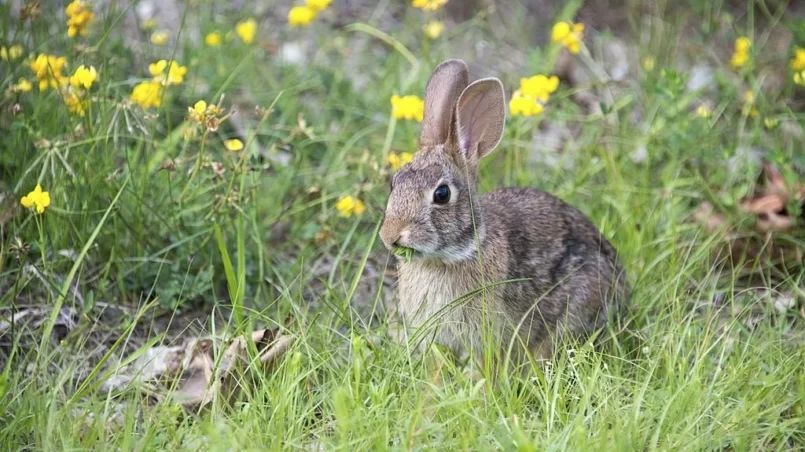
(197, 167)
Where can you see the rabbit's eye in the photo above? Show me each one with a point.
(441, 195)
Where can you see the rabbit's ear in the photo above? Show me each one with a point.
(480, 118)
(441, 95)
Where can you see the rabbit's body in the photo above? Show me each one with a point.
(519, 257)
(552, 277)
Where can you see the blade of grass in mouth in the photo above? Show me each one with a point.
(403, 252)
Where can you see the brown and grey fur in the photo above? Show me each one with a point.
(567, 276)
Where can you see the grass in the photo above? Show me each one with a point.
(153, 219)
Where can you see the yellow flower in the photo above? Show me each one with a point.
(175, 75)
(213, 39)
(79, 16)
(147, 94)
(23, 86)
(741, 55)
(522, 104)
(318, 5)
(798, 62)
(160, 37)
(539, 86)
(149, 24)
(246, 30)
(749, 108)
(770, 123)
(647, 63)
(348, 206)
(428, 5)
(742, 44)
(198, 111)
(739, 60)
(301, 16)
(156, 69)
(397, 161)
(434, 29)
(37, 198)
(84, 77)
(11, 53)
(407, 107)
(799, 78)
(233, 145)
(205, 114)
(569, 35)
(48, 70)
(703, 111)
(74, 103)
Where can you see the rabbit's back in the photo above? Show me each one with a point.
(570, 276)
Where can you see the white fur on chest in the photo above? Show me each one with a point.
(435, 299)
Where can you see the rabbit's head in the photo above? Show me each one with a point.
(433, 207)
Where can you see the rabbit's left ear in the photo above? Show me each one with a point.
(480, 118)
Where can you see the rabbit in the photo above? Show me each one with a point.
(534, 266)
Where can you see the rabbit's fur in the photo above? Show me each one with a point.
(567, 277)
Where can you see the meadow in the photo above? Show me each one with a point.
(191, 193)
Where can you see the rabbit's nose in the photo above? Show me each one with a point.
(390, 232)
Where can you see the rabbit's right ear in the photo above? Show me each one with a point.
(444, 87)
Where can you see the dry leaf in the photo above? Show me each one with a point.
(763, 204)
(199, 381)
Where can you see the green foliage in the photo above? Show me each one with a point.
(151, 214)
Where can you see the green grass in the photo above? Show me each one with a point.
(143, 230)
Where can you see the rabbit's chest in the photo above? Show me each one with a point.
(441, 299)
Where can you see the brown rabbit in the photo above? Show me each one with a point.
(519, 257)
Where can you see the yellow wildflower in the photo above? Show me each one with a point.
(523, 104)
(703, 111)
(428, 5)
(48, 70)
(434, 29)
(11, 53)
(539, 86)
(798, 62)
(246, 30)
(233, 145)
(348, 206)
(770, 123)
(84, 77)
(648, 63)
(213, 39)
(397, 161)
(741, 55)
(198, 111)
(23, 86)
(147, 94)
(74, 102)
(569, 35)
(160, 37)
(749, 108)
(743, 44)
(799, 78)
(318, 5)
(37, 198)
(301, 16)
(206, 114)
(149, 24)
(175, 75)
(79, 16)
(156, 69)
(407, 107)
